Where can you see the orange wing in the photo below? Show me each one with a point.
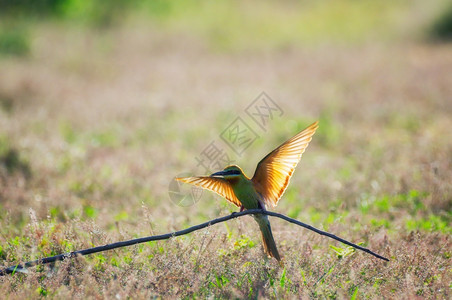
(274, 171)
(217, 185)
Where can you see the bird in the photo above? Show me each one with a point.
(265, 188)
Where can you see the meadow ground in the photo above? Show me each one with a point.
(94, 124)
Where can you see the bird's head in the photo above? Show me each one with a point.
(230, 172)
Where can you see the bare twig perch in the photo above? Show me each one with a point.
(51, 259)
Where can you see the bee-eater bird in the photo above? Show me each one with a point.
(268, 184)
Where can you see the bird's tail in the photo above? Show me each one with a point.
(267, 236)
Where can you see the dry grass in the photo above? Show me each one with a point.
(95, 125)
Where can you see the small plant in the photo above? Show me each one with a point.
(243, 242)
(343, 252)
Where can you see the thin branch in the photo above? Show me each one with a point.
(234, 215)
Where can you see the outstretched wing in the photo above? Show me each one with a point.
(215, 184)
(274, 171)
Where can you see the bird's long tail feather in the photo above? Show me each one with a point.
(267, 236)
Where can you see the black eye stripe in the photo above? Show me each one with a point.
(234, 172)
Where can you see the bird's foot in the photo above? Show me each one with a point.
(242, 208)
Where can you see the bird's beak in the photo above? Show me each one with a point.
(219, 174)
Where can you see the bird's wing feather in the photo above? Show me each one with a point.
(217, 185)
(273, 173)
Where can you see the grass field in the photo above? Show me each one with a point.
(96, 120)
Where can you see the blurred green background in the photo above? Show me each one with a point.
(237, 25)
(102, 103)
